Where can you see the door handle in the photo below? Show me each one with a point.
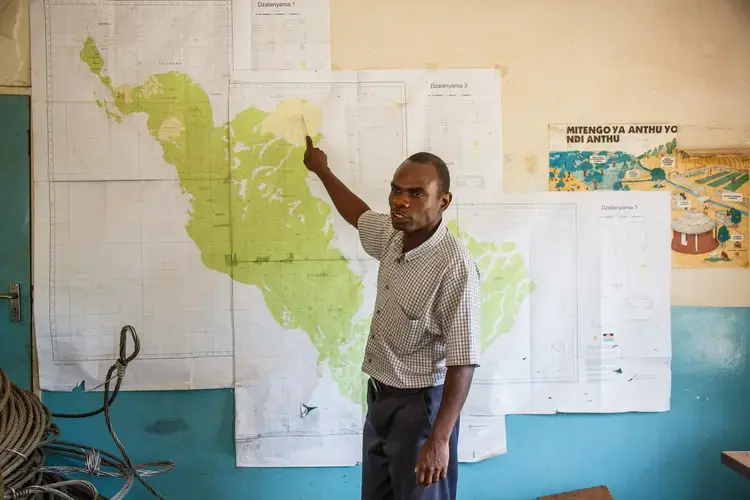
(14, 295)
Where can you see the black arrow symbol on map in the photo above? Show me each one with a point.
(305, 410)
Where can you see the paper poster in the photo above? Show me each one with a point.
(592, 331)
(709, 190)
(281, 35)
(114, 238)
(303, 287)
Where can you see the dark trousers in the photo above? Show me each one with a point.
(397, 424)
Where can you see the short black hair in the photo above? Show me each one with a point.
(444, 176)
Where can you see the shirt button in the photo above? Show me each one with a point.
(377, 312)
(387, 287)
(369, 360)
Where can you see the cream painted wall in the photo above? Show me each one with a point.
(681, 61)
(15, 73)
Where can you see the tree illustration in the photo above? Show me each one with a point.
(659, 175)
(723, 236)
(619, 186)
(736, 216)
(594, 177)
(585, 166)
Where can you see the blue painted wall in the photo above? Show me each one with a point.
(672, 455)
(15, 236)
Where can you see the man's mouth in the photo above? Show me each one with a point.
(398, 216)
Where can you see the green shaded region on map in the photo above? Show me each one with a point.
(252, 215)
(505, 283)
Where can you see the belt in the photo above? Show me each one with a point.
(380, 387)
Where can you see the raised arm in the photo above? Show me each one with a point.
(348, 204)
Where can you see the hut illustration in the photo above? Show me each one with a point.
(723, 218)
(694, 233)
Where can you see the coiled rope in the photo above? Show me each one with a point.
(28, 434)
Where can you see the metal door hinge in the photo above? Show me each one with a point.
(14, 295)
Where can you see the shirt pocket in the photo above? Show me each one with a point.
(412, 303)
(409, 328)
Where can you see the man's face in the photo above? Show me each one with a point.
(415, 199)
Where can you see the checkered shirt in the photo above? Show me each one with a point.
(426, 314)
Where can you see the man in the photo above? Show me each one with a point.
(424, 337)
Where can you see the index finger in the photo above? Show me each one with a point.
(309, 142)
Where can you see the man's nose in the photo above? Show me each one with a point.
(400, 201)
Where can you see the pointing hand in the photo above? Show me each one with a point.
(315, 159)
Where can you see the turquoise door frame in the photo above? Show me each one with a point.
(15, 237)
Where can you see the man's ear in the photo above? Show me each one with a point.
(445, 201)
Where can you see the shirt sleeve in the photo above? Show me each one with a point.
(460, 316)
(374, 231)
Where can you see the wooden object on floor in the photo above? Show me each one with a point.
(596, 493)
(738, 461)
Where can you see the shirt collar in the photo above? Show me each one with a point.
(428, 245)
